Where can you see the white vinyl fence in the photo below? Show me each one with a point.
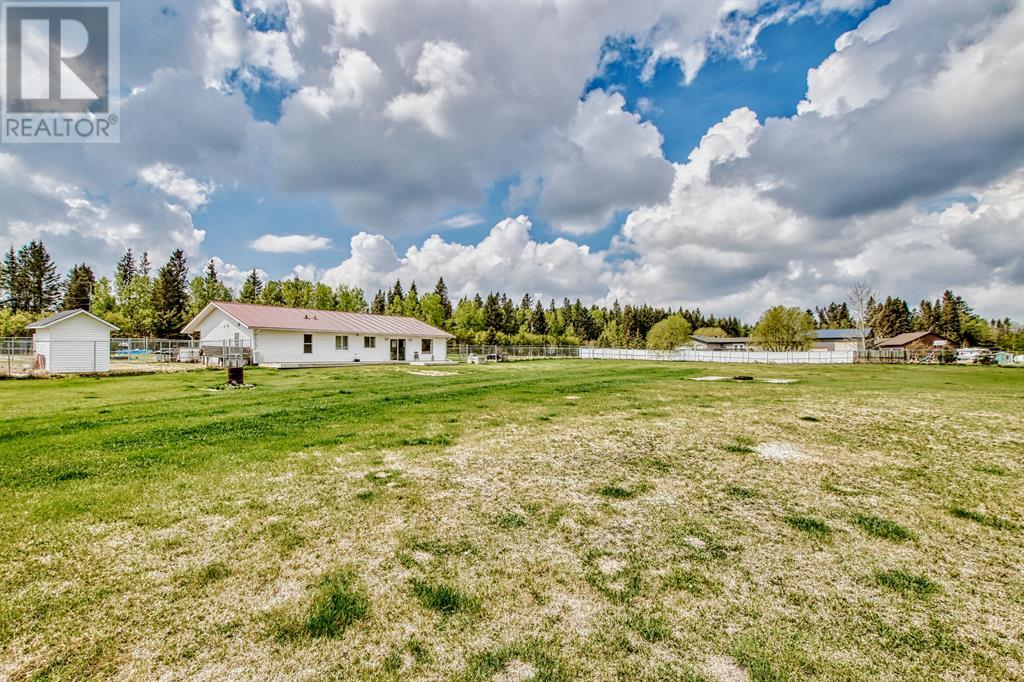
(744, 356)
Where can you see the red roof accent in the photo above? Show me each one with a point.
(310, 319)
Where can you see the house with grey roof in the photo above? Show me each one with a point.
(839, 339)
(700, 342)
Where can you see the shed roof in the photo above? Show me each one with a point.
(312, 320)
(64, 315)
(904, 339)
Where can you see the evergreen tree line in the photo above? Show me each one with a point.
(143, 303)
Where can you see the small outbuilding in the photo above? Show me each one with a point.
(72, 341)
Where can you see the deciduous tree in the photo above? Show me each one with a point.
(781, 329)
(669, 333)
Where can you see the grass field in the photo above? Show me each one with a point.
(546, 520)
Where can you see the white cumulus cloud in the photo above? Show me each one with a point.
(290, 243)
(174, 183)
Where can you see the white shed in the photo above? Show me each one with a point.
(72, 341)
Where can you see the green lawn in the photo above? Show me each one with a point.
(538, 520)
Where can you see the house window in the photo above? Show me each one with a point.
(340, 343)
(369, 342)
(307, 343)
(426, 345)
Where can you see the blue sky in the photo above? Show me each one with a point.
(771, 85)
(833, 141)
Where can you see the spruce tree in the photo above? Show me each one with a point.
(379, 305)
(441, 289)
(170, 296)
(538, 321)
(144, 265)
(493, 313)
(411, 305)
(78, 288)
(38, 282)
(396, 299)
(252, 289)
(10, 281)
(125, 268)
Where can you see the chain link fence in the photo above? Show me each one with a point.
(461, 352)
(19, 356)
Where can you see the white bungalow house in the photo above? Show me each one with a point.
(304, 337)
(72, 341)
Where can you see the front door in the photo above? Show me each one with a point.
(398, 349)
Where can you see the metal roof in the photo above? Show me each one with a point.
(840, 333)
(312, 320)
(721, 339)
(904, 339)
(63, 315)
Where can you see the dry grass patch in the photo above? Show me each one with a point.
(443, 581)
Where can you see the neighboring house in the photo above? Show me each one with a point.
(717, 343)
(839, 339)
(913, 341)
(304, 337)
(72, 341)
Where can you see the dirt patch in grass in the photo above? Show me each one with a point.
(780, 452)
(610, 566)
(724, 669)
(516, 671)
